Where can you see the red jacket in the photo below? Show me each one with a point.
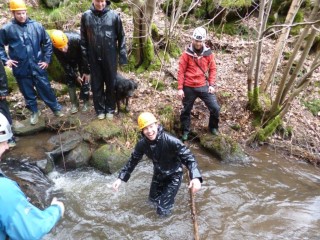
(189, 73)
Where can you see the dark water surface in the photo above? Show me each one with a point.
(268, 197)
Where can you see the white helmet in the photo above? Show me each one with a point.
(199, 34)
(5, 129)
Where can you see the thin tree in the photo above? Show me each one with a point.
(143, 49)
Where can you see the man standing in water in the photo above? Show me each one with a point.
(19, 219)
(102, 40)
(30, 50)
(168, 154)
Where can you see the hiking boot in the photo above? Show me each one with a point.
(109, 115)
(101, 116)
(215, 131)
(185, 136)
(12, 142)
(85, 106)
(58, 114)
(34, 119)
(74, 109)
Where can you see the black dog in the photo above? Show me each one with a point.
(124, 90)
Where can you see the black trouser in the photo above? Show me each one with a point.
(4, 109)
(163, 190)
(190, 95)
(103, 78)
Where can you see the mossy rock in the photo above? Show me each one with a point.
(223, 147)
(109, 158)
(101, 130)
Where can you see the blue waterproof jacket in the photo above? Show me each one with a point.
(19, 219)
(28, 53)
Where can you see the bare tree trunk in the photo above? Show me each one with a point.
(254, 68)
(143, 12)
(295, 5)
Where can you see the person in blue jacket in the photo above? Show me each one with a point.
(19, 219)
(30, 51)
(168, 154)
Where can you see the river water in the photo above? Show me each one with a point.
(266, 197)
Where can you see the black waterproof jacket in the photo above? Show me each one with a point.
(28, 44)
(71, 60)
(3, 81)
(167, 154)
(102, 37)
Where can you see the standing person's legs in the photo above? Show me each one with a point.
(71, 83)
(110, 74)
(171, 186)
(28, 92)
(188, 101)
(46, 93)
(155, 190)
(211, 102)
(97, 88)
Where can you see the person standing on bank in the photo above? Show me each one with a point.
(30, 50)
(102, 40)
(67, 49)
(168, 154)
(196, 79)
(19, 219)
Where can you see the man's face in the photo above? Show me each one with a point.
(64, 49)
(20, 16)
(197, 44)
(151, 131)
(99, 4)
(3, 147)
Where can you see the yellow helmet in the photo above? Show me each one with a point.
(145, 119)
(17, 5)
(58, 38)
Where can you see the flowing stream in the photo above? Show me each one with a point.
(268, 197)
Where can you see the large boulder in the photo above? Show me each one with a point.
(78, 157)
(109, 158)
(98, 130)
(223, 148)
(64, 143)
(24, 128)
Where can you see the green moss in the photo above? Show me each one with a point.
(12, 83)
(268, 130)
(158, 84)
(232, 28)
(155, 32)
(313, 106)
(174, 49)
(148, 56)
(225, 94)
(286, 55)
(235, 3)
(174, 85)
(167, 117)
(236, 127)
(55, 70)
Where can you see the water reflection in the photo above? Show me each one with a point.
(266, 198)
